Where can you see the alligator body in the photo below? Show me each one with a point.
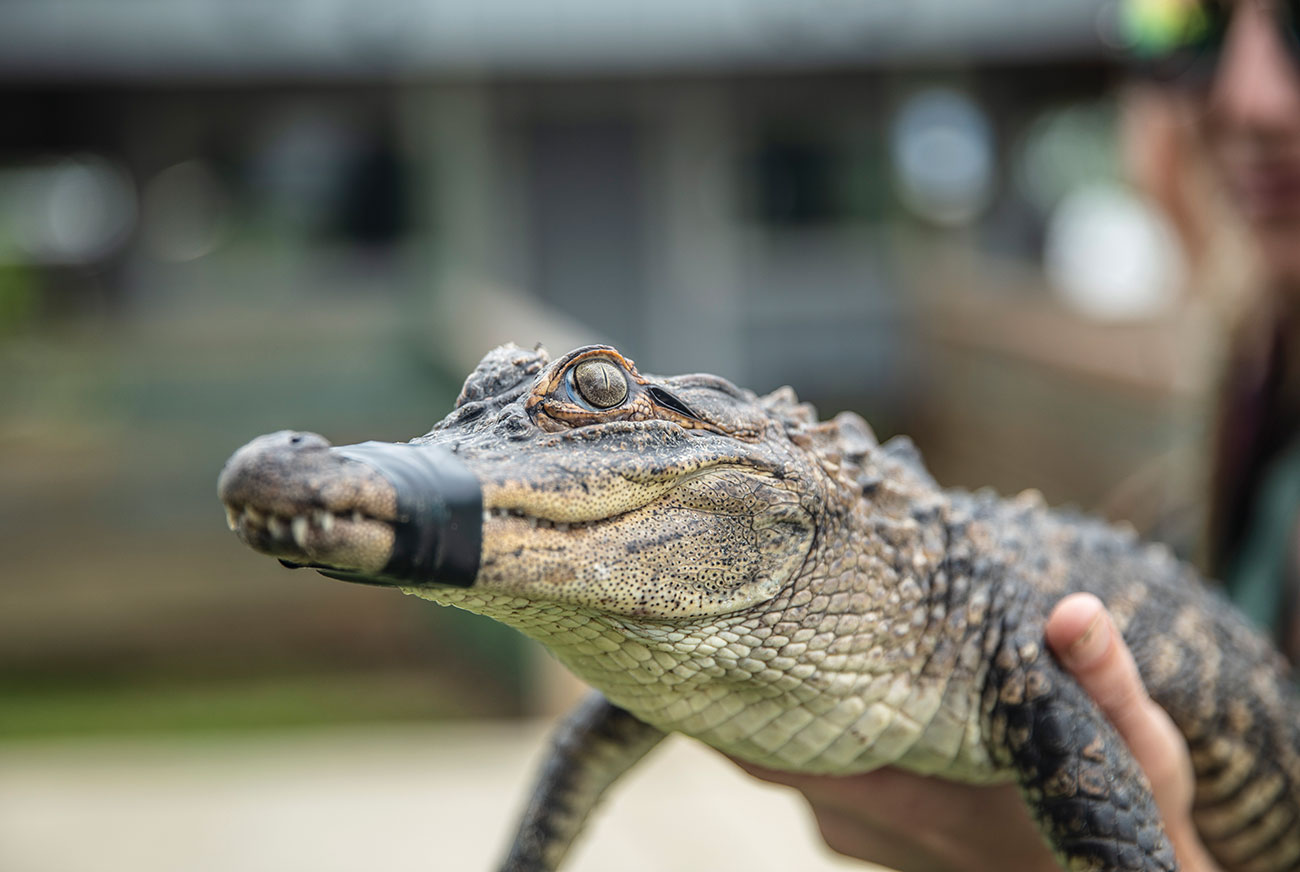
(792, 593)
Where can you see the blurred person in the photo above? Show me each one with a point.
(1216, 142)
(1249, 123)
(1219, 139)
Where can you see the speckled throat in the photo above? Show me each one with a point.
(795, 594)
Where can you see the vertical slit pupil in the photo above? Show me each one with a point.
(601, 383)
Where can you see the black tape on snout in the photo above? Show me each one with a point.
(438, 536)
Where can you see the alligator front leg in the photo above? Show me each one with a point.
(1088, 794)
(592, 747)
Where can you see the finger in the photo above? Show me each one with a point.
(1084, 638)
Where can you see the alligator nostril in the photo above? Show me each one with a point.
(302, 440)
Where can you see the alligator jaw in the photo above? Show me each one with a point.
(396, 514)
(314, 538)
(292, 496)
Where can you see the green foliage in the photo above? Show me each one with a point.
(18, 297)
(47, 710)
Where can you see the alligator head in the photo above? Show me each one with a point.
(577, 492)
(578, 481)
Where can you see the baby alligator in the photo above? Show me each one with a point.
(790, 592)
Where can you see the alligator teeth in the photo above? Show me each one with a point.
(299, 525)
(562, 527)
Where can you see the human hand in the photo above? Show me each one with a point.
(913, 823)
(1084, 639)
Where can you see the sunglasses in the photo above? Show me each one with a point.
(1181, 41)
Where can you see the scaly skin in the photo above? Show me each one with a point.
(798, 596)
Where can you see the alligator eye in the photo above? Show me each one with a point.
(600, 383)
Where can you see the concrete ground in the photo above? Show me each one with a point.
(382, 798)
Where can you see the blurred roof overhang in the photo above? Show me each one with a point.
(234, 40)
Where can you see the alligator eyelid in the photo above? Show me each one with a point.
(668, 401)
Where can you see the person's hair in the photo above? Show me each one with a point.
(1231, 324)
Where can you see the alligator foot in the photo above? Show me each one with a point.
(1084, 788)
(596, 744)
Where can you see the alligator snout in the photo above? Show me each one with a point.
(377, 512)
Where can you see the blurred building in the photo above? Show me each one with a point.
(219, 218)
(716, 186)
